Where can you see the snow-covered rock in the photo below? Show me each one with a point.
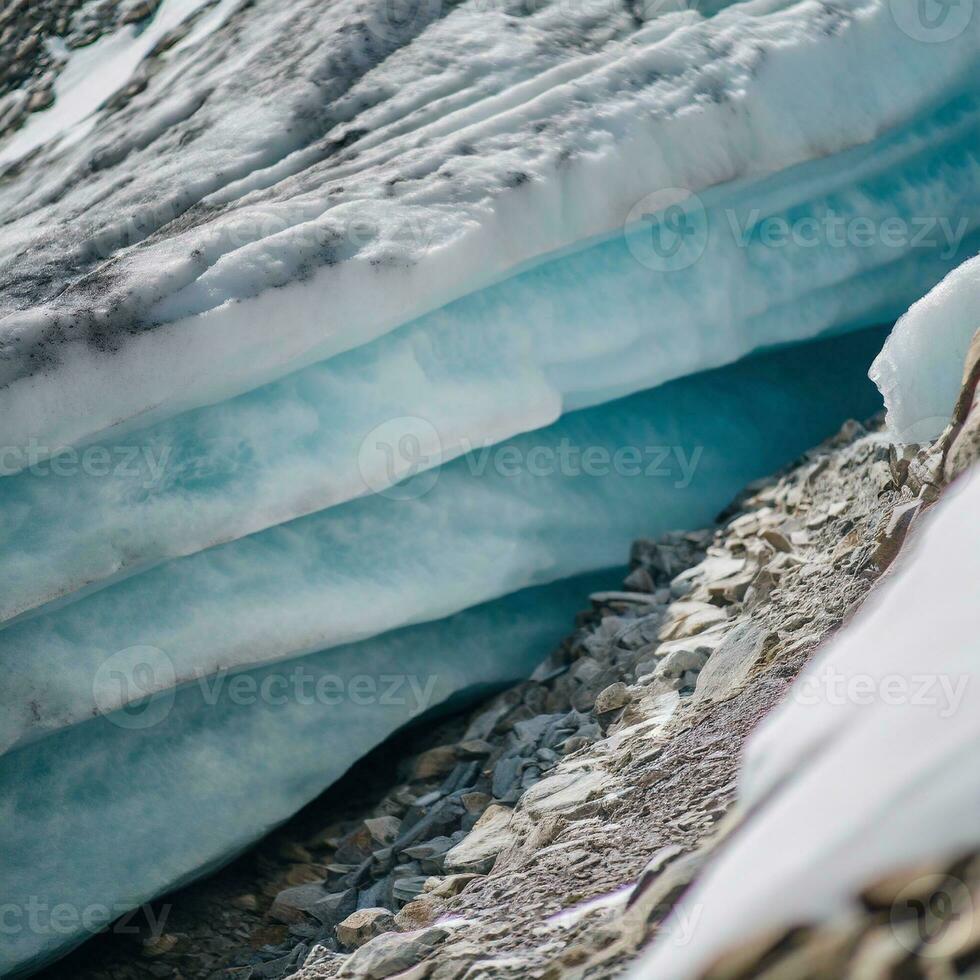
(920, 368)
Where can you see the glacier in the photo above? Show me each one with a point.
(597, 324)
(492, 522)
(226, 226)
(169, 789)
(296, 336)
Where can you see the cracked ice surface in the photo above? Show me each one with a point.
(235, 221)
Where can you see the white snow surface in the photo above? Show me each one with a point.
(920, 367)
(868, 766)
(236, 221)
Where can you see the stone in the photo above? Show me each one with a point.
(612, 698)
(477, 852)
(355, 846)
(777, 539)
(392, 952)
(416, 914)
(439, 761)
(384, 830)
(475, 802)
(450, 885)
(731, 664)
(335, 907)
(563, 792)
(679, 662)
(362, 925)
(158, 945)
(292, 904)
(689, 617)
(406, 888)
(893, 537)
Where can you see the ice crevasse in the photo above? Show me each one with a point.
(299, 370)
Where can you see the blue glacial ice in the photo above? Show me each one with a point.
(484, 233)
(105, 815)
(543, 506)
(599, 323)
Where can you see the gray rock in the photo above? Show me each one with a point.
(291, 904)
(506, 777)
(477, 852)
(612, 698)
(679, 662)
(438, 761)
(731, 664)
(334, 908)
(384, 830)
(392, 952)
(408, 887)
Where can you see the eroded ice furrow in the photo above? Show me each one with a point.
(607, 321)
(246, 749)
(513, 516)
(685, 102)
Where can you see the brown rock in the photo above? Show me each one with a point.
(363, 925)
(416, 914)
(435, 762)
(450, 885)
